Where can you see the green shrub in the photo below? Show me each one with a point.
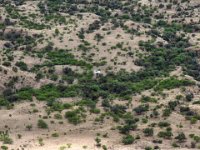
(62, 57)
(3, 102)
(42, 124)
(128, 139)
(4, 137)
(181, 137)
(165, 134)
(148, 131)
(141, 109)
(58, 116)
(73, 117)
(98, 141)
(163, 124)
(173, 83)
(22, 65)
(6, 63)
(95, 111)
(167, 112)
(55, 135)
(3, 147)
(25, 93)
(146, 99)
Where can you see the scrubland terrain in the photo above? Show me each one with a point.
(146, 94)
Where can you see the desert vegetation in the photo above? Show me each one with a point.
(80, 74)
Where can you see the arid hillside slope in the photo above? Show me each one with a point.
(105, 75)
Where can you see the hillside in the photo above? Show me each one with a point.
(99, 74)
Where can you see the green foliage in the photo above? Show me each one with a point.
(62, 57)
(181, 137)
(141, 109)
(6, 63)
(51, 92)
(157, 61)
(42, 124)
(55, 135)
(128, 139)
(74, 117)
(32, 25)
(95, 111)
(189, 97)
(22, 65)
(58, 106)
(58, 116)
(3, 102)
(146, 99)
(55, 18)
(2, 26)
(25, 93)
(172, 104)
(167, 112)
(196, 138)
(163, 124)
(29, 127)
(3, 147)
(165, 134)
(48, 92)
(40, 141)
(127, 128)
(148, 131)
(13, 13)
(144, 85)
(4, 137)
(98, 141)
(172, 83)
